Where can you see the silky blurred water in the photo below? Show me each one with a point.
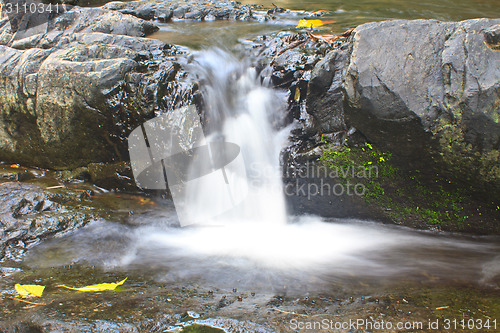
(362, 11)
(307, 254)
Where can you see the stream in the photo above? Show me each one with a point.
(258, 268)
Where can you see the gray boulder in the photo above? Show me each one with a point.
(72, 90)
(428, 91)
(28, 214)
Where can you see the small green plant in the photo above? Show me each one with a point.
(405, 195)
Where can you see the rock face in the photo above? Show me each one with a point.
(430, 84)
(421, 89)
(28, 214)
(325, 92)
(427, 91)
(72, 88)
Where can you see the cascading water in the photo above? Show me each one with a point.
(240, 110)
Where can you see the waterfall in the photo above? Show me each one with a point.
(239, 109)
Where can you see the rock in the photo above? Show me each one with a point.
(324, 99)
(28, 214)
(432, 88)
(111, 176)
(492, 35)
(71, 95)
(187, 10)
(427, 91)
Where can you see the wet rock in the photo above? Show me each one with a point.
(432, 88)
(492, 36)
(324, 101)
(28, 214)
(164, 14)
(52, 325)
(427, 91)
(111, 176)
(188, 10)
(424, 90)
(69, 96)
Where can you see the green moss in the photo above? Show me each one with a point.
(463, 160)
(404, 195)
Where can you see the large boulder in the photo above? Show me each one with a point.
(72, 88)
(75, 84)
(425, 87)
(427, 91)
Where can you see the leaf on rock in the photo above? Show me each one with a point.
(323, 38)
(97, 287)
(297, 95)
(312, 23)
(347, 33)
(329, 38)
(29, 290)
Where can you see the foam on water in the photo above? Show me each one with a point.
(240, 110)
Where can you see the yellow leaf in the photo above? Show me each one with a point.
(312, 23)
(29, 290)
(297, 95)
(309, 23)
(97, 287)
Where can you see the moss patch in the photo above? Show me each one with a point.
(412, 197)
(479, 168)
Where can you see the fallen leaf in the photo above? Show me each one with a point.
(312, 23)
(297, 95)
(29, 290)
(347, 33)
(97, 287)
(323, 38)
(442, 307)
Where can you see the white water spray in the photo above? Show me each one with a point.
(240, 110)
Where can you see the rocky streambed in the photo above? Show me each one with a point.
(417, 99)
